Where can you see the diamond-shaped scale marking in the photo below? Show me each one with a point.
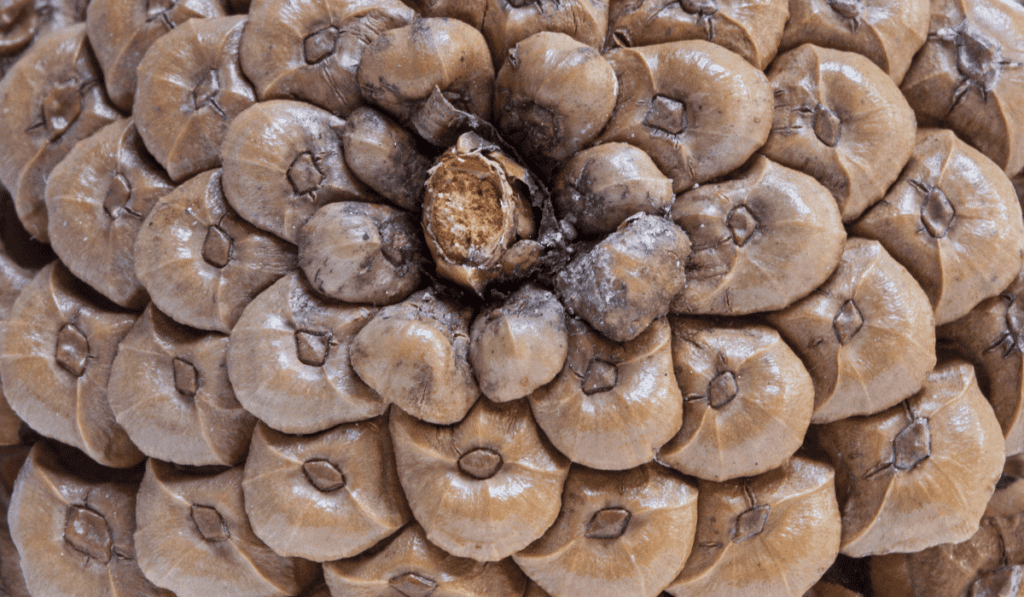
(912, 445)
(742, 224)
(609, 523)
(723, 389)
(937, 212)
(413, 585)
(666, 114)
(206, 90)
(158, 9)
(318, 46)
(481, 463)
(312, 347)
(699, 7)
(87, 531)
(849, 9)
(210, 523)
(847, 322)
(827, 126)
(186, 377)
(118, 194)
(217, 247)
(61, 108)
(72, 350)
(304, 174)
(324, 475)
(601, 376)
(750, 523)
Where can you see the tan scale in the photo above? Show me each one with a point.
(385, 157)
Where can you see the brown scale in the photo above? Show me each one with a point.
(751, 28)
(969, 73)
(760, 241)
(75, 533)
(784, 523)
(282, 162)
(121, 31)
(310, 51)
(505, 23)
(519, 345)
(553, 95)
(867, 334)
(988, 564)
(477, 217)
(23, 22)
(190, 89)
(12, 580)
(289, 360)
(953, 220)
(621, 533)
(102, 191)
(385, 156)
(197, 522)
(200, 262)
(408, 565)
(747, 400)
(485, 488)
(613, 404)
(169, 389)
(888, 34)
(52, 99)
(841, 119)
(920, 473)
(415, 355)
(990, 336)
(674, 103)
(628, 279)
(327, 496)
(600, 187)
(362, 253)
(58, 346)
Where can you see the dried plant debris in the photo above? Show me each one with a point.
(625, 533)
(759, 242)
(747, 399)
(519, 345)
(553, 95)
(362, 253)
(953, 220)
(97, 198)
(75, 534)
(386, 157)
(600, 187)
(751, 28)
(841, 119)
(613, 404)
(310, 51)
(190, 89)
(410, 566)
(289, 360)
(477, 216)
(988, 564)
(698, 109)
(403, 67)
(327, 496)
(201, 262)
(52, 98)
(919, 474)
(991, 336)
(969, 74)
(784, 524)
(194, 538)
(120, 32)
(628, 279)
(169, 389)
(867, 334)
(485, 488)
(415, 355)
(57, 349)
(282, 162)
(888, 34)
(508, 22)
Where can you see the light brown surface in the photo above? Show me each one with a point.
(385, 156)
(506, 23)
(169, 389)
